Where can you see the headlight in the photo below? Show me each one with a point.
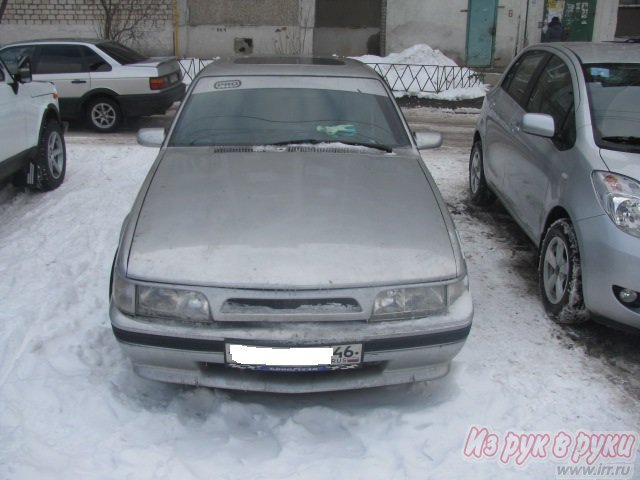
(619, 196)
(172, 303)
(416, 302)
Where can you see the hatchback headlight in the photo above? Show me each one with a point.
(619, 196)
(416, 302)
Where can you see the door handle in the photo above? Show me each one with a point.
(78, 81)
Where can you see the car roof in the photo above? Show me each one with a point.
(289, 65)
(93, 41)
(602, 52)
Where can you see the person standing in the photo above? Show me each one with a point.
(555, 31)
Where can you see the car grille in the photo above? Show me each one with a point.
(279, 306)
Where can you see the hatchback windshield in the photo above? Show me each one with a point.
(614, 93)
(265, 110)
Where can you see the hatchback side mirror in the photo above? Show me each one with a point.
(24, 70)
(425, 140)
(539, 124)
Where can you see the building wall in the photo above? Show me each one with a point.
(210, 28)
(32, 19)
(443, 25)
(606, 20)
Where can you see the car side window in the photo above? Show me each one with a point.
(517, 80)
(553, 95)
(94, 62)
(60, 59)
(11, 55)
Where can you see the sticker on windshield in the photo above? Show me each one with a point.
(224, 84)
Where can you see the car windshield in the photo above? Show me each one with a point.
(614, 95)
(121, 54)
(277, 110)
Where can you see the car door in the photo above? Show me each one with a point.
(539, 163)
(64, 66)
(502, 104)
(13, 130)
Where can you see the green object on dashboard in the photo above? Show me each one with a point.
(332, 130)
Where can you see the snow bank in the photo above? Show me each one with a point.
(425, 72)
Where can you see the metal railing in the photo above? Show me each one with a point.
(427, 78)
(191, 67)
(400, 77)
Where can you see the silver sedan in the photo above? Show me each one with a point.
(289, 238)
(558, 142)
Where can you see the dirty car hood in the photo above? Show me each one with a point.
(289, 220)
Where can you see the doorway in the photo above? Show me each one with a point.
(481, 32)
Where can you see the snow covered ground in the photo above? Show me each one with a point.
(70, 406)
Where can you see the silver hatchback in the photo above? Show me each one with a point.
(289, 238)
(558, 142)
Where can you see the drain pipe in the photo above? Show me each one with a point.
(176, 29)
(526, 26)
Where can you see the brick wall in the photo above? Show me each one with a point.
(68, 12)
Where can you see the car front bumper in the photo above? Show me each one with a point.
(609, 257)
(393, 352)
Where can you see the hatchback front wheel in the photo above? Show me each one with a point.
(479, 191)
(560, 275)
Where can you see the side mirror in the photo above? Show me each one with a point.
(24, 70)
(151, 137)
(426, 140)
(539, 124)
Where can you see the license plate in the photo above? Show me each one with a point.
(294, 358)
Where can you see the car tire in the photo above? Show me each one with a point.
(51, 159)
(103, 114)
(560, 275)
(479, 191)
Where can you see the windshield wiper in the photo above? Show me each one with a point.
(384, 148)
(312, 141)
(377, 146)
(621, 139)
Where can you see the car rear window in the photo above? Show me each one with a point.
(120, 53)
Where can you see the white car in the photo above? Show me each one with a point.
(100, 80)
(32, 148)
